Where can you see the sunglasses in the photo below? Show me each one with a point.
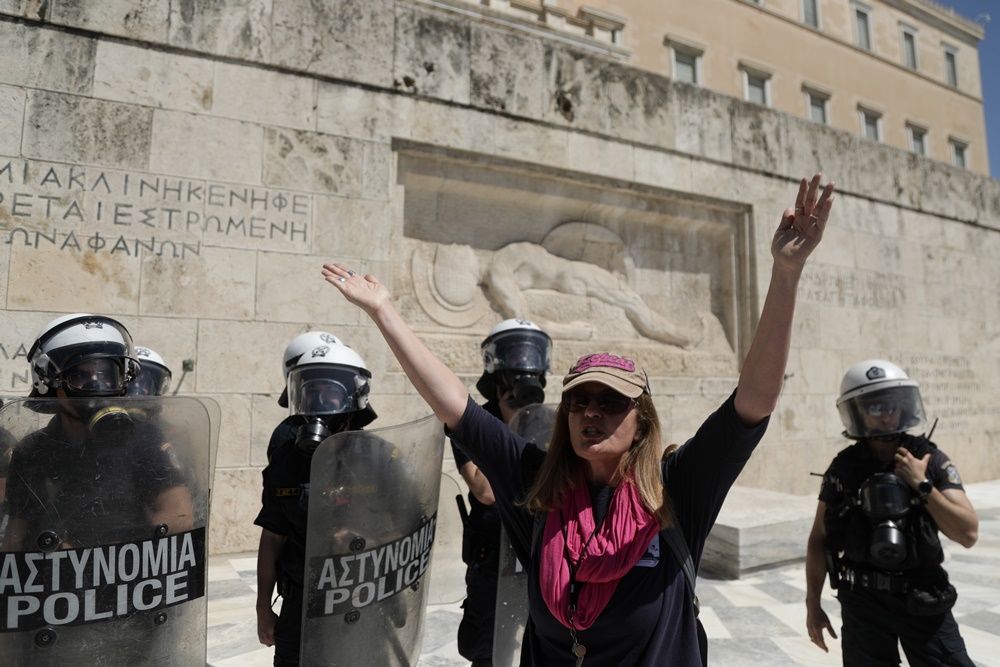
(609, 402)
(878, 409)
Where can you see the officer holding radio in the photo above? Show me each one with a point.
(882, 503)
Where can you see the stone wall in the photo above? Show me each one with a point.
(188, 167)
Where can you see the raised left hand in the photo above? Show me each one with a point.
(801, 228)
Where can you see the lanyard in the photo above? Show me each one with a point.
(578, 649)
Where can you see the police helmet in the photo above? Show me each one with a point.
(153, 378)
(872, 393)
(86, 355)
(329, 379)
(307, 342)
(514, 347)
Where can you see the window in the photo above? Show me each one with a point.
(871, 124)
(819, 106)
(958, 151)
(810, 12)
(756, 89)
(685, 59)
(863, 26)
(909, 42)
(756, 83)
(918, 139)
(950, 65)
(685, 67)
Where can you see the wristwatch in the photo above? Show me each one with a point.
(924, 489)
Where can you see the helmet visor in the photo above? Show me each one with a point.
(100, 376)
(882, 412)
(152, 380)
(518, 350)
(326, 390)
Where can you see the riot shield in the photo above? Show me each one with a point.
(103, 557)
(373, 498)
(534, 424)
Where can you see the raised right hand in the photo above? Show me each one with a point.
(367, 293)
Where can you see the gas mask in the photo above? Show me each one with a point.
(526, 387)
(316, 429)
(107, 420)
(886, 500)
(110, 424)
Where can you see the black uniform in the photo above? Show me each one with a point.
(910, 603)
(481, 554)
(285, 501)
(92, 492)
(284, 432)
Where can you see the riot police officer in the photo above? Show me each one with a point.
(153, 378)
(326, 392)
(86, 361)
(516, 357)
(875, 533)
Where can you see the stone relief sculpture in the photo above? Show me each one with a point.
(520, 266)
(450, 281)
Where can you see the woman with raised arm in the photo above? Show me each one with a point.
(601, 585)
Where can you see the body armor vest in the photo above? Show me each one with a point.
(849, 530)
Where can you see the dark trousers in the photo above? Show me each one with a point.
(876, 623)
(475, 633)
(288, 630)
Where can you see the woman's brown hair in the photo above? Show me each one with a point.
(562, 471)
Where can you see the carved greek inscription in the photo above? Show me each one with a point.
(83, 209)
(951, 389)
(19, 380)
(853, 289)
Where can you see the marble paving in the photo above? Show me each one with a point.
(759, 619)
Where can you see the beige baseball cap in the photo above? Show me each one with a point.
(619, 373)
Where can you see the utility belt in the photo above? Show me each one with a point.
(923, 597)
(875, 580)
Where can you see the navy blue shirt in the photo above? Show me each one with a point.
(650, 619)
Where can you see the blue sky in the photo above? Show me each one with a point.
(989, 68)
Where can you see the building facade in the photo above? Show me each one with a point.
(902, 72)
(189, 172)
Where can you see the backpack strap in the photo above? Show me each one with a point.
(674, 537)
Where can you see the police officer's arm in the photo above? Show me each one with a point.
(800, 230)
(436, 383)
(268, 551)
(479, 486)
(950, 508)
(816, 618)
(174, 508)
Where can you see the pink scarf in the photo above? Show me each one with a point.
(621, 541)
